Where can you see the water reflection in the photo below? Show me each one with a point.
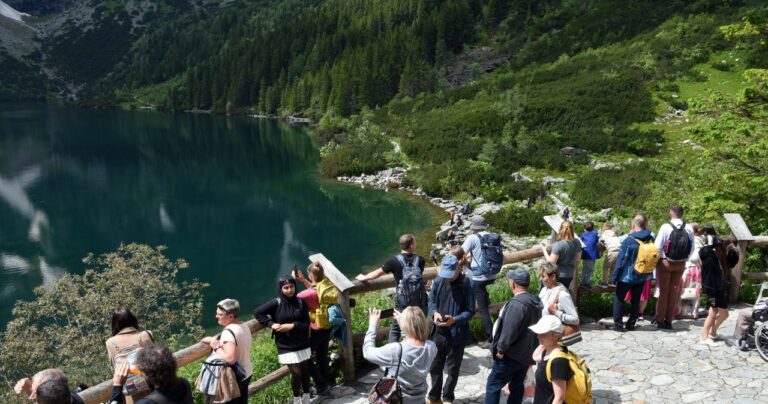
(234, 196)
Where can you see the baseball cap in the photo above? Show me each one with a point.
(547, 324)
(520, 276)
(448, 266)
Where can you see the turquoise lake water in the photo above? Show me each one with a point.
(238, 198)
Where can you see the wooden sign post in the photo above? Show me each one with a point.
(343, 285)
(743, 237)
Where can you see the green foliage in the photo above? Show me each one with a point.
(625, 188)
(514, 219)
(363, 150)
(737, 147)
(67, 324)
(20, 80)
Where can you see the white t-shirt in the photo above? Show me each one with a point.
(244, 338)
(664, 233)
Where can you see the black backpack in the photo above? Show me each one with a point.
(492, 251)
(411, 290)
(678, 246)
(712, 279)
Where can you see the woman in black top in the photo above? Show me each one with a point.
(550, 330)
(288, 317)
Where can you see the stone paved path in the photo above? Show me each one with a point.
(642, 366)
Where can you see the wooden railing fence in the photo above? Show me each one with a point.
(101, 392)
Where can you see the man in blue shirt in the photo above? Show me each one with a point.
(451, 305)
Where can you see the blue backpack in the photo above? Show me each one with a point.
(493, 255)
(411, 290)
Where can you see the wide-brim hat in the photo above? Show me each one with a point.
(448, 267)
(478, 223)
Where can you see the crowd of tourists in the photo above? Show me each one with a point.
(534, 335)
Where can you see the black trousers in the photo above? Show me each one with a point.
(448, 359)
(618, 303)
(318, 368)
(482, 300)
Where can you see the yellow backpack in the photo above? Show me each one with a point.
(647, 257)
(327, 295)
(578, 389)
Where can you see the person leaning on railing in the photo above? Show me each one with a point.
(126, 337)
(233, 345)
(320, 294)
(288, 317)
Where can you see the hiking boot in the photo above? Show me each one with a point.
(618, 328)
(603, 285)
(630, 327)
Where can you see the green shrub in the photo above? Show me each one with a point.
(59, 328)
(514, 219)
(363, 151)
(627, 188)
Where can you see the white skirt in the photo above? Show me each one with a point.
(289, 358)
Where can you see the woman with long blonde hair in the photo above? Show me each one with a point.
(566, 253)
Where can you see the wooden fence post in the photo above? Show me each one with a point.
(347, 357)
(743, 236)
(343, 285)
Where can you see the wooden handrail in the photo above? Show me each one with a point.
(102, 391)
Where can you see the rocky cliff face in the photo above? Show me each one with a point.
(79, 41)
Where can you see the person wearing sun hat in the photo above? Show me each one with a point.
(451, 305)
(549, 330)
(513, 341)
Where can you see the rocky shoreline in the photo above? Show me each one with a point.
(461, 211)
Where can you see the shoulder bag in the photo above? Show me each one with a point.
(387, 390)
(571, 333)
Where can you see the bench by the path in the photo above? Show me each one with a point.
(641, 366)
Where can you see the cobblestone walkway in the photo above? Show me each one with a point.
(641, 366)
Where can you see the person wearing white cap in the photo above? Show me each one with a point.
(549, 330)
